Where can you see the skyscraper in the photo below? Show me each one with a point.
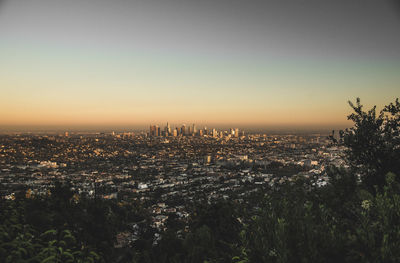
(183, 130)
(152, 130)
(194, 129)
(167, 130)
(158, 131)
(214, 133)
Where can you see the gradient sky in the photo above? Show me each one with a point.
(227, 62)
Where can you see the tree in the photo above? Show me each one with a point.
(373, 143)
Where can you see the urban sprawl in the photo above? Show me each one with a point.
(165, 170)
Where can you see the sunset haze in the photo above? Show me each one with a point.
(244, 63)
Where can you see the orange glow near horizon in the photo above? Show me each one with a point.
(31, 100)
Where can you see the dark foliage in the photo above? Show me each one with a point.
(373, 143)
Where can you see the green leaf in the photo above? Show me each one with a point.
(51, 232)
(52, 243)
(68, 255)
(62, 243)
(66, 232)
(49, 259)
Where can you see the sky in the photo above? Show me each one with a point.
(265, 64)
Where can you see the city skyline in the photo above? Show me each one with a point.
(156, 130)
(259, 65)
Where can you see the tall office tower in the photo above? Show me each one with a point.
(189, 132)
(214, 133)
(201, 133)
(237, 132)
(152, 130)
(175, 132)
(183, 130)
(205, 130)
(158, 131)
(194, 129)
(231, 131)
(168, 129)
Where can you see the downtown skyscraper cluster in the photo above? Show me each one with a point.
(191, 130)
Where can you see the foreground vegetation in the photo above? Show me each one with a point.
(355, 218)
